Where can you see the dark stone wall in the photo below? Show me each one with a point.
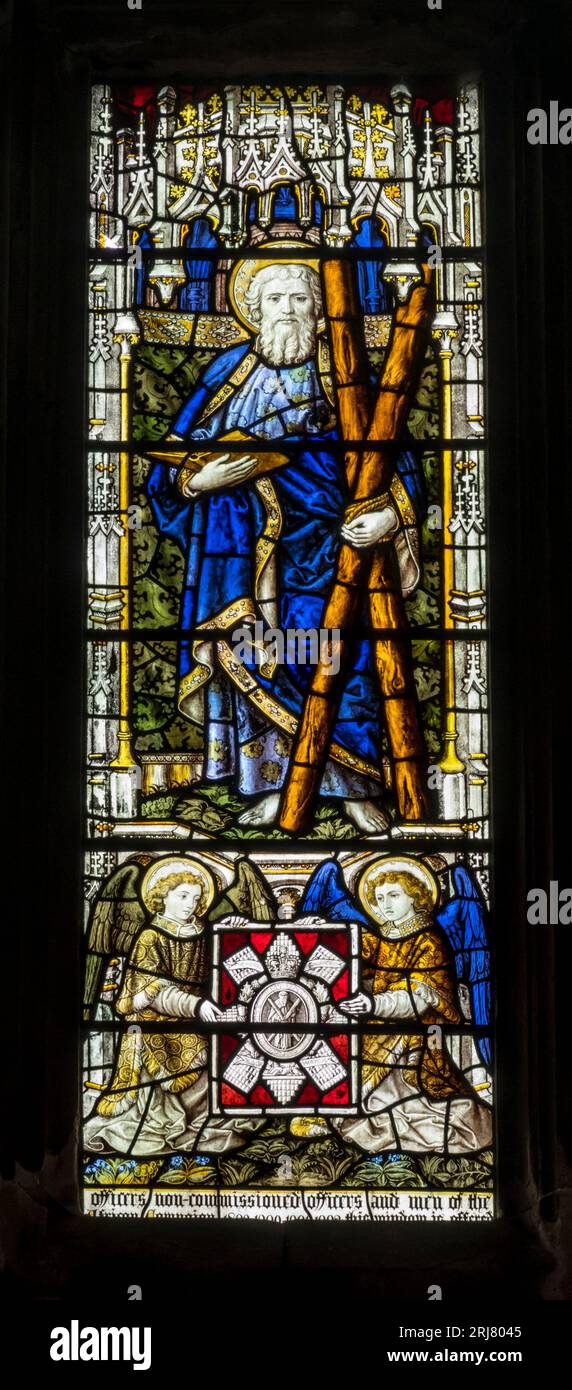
(51, 51)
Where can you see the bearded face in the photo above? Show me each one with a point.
(288, 317)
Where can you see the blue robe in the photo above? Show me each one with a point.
(218, 533)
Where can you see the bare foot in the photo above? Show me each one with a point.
(263, 813)
(367, 816)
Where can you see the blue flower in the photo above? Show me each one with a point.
(202, 1159)
(96, 1166)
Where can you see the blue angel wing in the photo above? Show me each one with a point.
(326, 895)
(464, 922)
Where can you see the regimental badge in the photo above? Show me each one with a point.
(288, 1047)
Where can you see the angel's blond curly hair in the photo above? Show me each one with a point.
(420, 894)
(156, 898)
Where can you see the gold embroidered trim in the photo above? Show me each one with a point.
(245, 682)
(324, 370)
(239, 608)
(196, 677)
(273, 526)
(402, 501)
(272, 708)
(202, 651)
(265, 547)
(235, 379)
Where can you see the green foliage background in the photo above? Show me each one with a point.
(318, 1163)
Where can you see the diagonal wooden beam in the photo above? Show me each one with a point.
(356, 569)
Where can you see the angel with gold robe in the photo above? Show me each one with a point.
(413, 1096)
(157, 1100)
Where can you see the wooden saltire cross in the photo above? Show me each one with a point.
(369, 472)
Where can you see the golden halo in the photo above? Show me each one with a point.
(175, 864)
(242, 275)
(402, 865)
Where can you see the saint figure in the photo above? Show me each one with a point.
(261, 534)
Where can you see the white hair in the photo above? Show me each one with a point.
(253, 296)
(285, 343)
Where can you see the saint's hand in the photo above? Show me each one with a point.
(370, 528)
(222, 471)
(210, 1012)
(358, 1004)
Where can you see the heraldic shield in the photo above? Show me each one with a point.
(285, 985)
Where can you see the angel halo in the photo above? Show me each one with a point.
(188, 868)
(404, 864)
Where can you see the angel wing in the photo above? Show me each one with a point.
(116, 918)
(248, 896)
(326, 895)
(463, 920)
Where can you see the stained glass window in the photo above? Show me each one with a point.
(287, 992)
